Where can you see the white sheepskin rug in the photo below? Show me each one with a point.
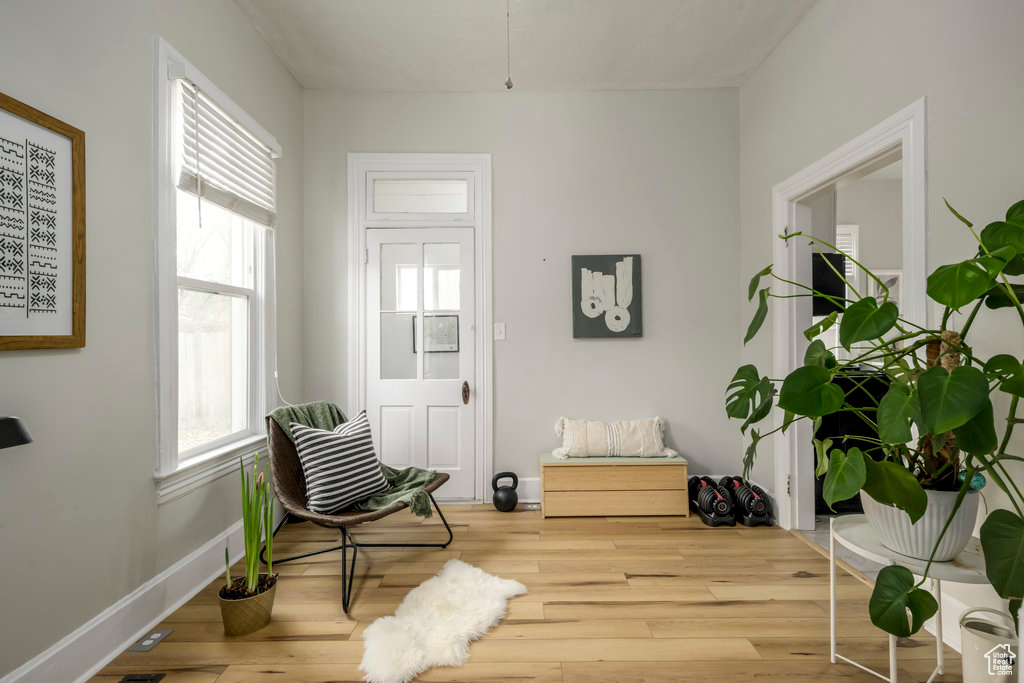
(435, 623)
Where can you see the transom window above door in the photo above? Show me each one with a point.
(422, 197)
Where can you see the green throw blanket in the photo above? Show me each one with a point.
(406, 485)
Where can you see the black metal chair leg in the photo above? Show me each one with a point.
(447, 527)
(440, 514)
(348, 569)
(263, 551)
(348, 572)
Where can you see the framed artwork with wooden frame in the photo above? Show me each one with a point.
(42, 230)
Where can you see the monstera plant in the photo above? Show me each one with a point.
(935, 427)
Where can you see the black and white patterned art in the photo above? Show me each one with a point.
(606, 299)
(35, 220)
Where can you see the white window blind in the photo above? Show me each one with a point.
(222, 161)
(847, 238)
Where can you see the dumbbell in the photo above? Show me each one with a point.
(750, 502)
(712, 502)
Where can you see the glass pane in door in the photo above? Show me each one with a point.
(399, 304)
(397, 345)
(442, 273)
(399, 266)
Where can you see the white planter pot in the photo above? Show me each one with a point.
(893, 529)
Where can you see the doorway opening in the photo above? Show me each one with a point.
(868, 197)
(419, 360)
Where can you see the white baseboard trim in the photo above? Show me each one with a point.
(75, 657)
(529, 490)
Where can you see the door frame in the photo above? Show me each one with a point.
(906, 131)
(360, 165)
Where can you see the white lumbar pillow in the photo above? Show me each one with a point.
(435, 623)
(629, 438)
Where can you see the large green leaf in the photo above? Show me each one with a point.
(894, 596)
(949, 400)
(1015, 214)
(788, 418)
(766, 392)
(749, 395)
(897, 410)
(822, 325)
(892, 484)
(997, 296)
(866, 320)
(809, 391)
(1010, 370)
(818, 354)
(978, 435)
(846, 475)
(1015, 266)
(755, 281)
(759, 316)
(957, 213)
(997, 260)
(751, 453)
(821, 449)
(999, 234)
(1002, 541)
(959, 283)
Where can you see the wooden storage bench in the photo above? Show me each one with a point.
(598, 487)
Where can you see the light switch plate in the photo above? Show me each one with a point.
(149, 641)
(499, 331)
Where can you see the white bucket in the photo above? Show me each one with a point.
(987, 647)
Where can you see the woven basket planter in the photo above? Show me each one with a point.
(248, 615)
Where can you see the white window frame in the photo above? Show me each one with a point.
(177, 474)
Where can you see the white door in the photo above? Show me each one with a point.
(420, 327)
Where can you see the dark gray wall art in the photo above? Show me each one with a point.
(606, 296)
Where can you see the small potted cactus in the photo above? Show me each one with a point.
(247, 601)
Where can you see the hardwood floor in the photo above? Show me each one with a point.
(653, 599)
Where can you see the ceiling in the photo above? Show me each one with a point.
(459, 45)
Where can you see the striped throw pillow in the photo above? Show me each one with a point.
(340, 466)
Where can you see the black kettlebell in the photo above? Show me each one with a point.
(505, 497)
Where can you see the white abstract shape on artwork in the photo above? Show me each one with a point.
(608, 294)
(597, 292)
(589, 303)
(617, 319)
(623, 285)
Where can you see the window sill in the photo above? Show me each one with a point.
(199, 471)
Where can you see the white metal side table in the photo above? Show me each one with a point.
(854, 533)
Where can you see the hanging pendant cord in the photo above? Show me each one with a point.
(508, 47)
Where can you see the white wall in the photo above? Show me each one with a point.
(848, 66)
(653, 173)
(79, 523)
(876, 206)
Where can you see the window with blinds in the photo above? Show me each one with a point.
(217, 207)
(847, 238)
(221, 161)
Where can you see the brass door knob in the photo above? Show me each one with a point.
(465, 393)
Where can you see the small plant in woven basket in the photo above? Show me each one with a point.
(247, 601)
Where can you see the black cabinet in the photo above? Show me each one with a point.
(846, 428)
